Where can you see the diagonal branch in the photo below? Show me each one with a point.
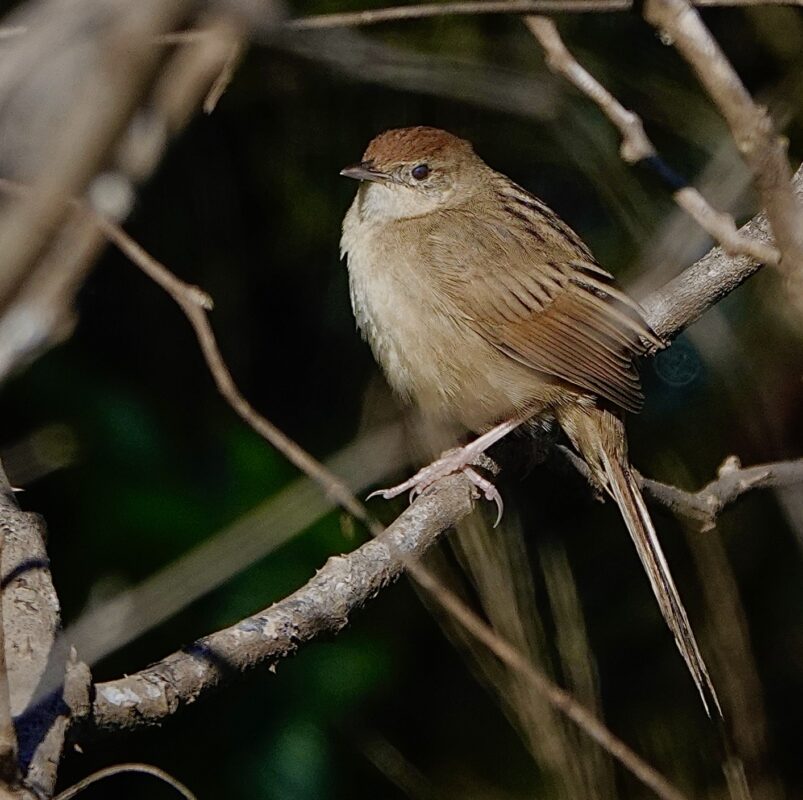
(637, 148)
(324, 605)
(672, 308)
(195, 304)
(762, 149)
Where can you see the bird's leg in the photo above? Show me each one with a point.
(459, 459)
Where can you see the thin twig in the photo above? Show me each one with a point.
(119, 769)
(195, 304)
(225, 76)
(636, 146)
(762, 149)
(477, 7)
(732, 481)
(702, 508)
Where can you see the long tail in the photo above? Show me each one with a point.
(600, 438)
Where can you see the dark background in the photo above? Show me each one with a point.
(151, 461)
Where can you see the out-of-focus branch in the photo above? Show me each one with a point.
(225, 75)
(463, 79)
(39, 312)
(477, 7)
(103, 104)
(762, 149)
(636, 146)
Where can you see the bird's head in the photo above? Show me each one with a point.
(410, 172)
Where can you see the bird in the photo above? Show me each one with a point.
(486, 310)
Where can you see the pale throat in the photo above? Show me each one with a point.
(383, 202)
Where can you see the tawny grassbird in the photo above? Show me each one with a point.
(484, 308)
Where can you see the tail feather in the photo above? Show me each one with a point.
(624, 490)
(600, 438)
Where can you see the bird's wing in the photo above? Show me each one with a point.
(522, 279)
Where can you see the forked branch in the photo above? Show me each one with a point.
(637, 148)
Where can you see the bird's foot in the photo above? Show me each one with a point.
(460, 459)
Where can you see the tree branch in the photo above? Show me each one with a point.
(762, 149)
(38, 302)
(637, 148)
(30, 621)
(323, 605)
(104, 102)
(9, 768)
(702, 508)
(351, 19)
(682, 301)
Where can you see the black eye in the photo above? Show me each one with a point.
(420, 171)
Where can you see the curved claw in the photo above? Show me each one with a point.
(389, 494)
(489, 491)
(500, 506)
(449, 463)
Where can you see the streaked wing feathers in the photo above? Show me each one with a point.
(544, 302)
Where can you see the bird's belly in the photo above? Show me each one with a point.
(432, 357)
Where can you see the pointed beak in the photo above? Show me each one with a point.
(364, 172)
